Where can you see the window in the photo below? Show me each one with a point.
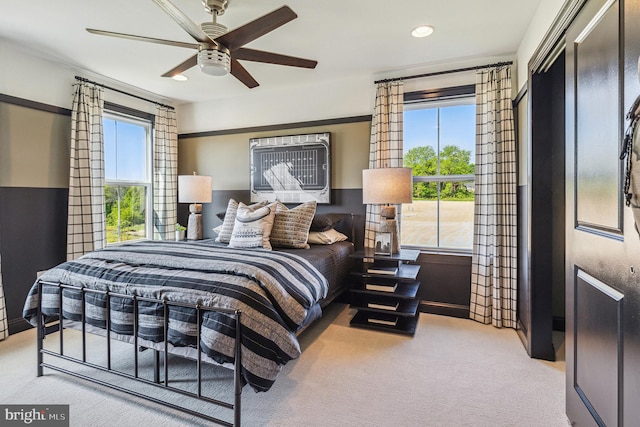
(127, 177)
(439, 145)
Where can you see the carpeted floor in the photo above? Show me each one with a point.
(454, 372)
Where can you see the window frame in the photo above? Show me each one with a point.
(440, 97)
(146, 120)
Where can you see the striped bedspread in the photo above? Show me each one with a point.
(276, 292)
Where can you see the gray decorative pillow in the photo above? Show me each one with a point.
(324, 222)
(291, 226)
(224, 236)
(252, 227)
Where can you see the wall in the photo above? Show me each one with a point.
(34, 175)
(225, 157)
(538, 27)
(348, 97)
(35, 102)
(32, 161)
(37, 79)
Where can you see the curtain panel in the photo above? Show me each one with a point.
(86, 219)
(165, 174)
(4, 327)
(494, 263)
(385, 148)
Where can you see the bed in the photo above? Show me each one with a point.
(202, 300)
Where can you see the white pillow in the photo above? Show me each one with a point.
(252, 228)
(326, 237)
(224, 235)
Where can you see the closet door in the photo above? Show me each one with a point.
(602, 246)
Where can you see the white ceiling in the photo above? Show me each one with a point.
(348, 38)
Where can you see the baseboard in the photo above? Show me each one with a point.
(445, 309)
(522, 334)
(18, 325)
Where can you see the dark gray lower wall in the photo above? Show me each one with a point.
(33, 223)
(445, 284)
(342, 201)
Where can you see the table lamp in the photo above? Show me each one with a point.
(194, 189)
(387, 186)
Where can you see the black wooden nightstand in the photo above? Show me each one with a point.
(384, 291)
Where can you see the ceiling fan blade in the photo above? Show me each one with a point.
(254, 29)
(191, 62)
(183, 20)
(142, 38)
(240, 73)
(272, 58)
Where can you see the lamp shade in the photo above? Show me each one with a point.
(194, 189)
(387, 186)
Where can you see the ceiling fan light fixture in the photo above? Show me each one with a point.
(422, 31)
(180, 77)
(214, 61)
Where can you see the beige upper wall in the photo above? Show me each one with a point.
(29, 77)
(538, 27)
(37, 156)
(34, 147)
(226, 157)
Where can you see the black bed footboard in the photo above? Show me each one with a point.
(161, 347)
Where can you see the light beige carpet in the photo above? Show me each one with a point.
(454, 372)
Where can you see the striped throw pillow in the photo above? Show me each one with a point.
(291, 226)
(252, 228)
(224, 236)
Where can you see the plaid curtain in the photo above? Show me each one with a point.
(165, 174)
(86, 220)
(494, 263)
(385, 148)
(4, 327)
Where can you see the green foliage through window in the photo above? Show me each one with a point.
(125, 212)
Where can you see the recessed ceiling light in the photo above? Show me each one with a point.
(422, 31)
(180, 77)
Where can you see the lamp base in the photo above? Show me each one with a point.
(391, 226)
(388, 224)
(194, 227)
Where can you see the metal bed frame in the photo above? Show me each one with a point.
(58, 326)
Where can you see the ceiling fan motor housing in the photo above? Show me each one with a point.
(213, 29)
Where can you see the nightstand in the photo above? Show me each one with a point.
(384, 291)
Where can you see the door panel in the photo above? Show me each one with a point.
(596, 56)
(602, 246)
(598, 346)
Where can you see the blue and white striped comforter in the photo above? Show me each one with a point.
(276, 292)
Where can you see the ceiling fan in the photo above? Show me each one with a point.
(220, 50)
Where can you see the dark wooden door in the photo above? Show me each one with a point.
(602, 246)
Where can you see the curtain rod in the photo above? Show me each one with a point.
(438, 73)
(82, 79)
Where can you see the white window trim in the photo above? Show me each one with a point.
(440, 103)
(148, 184)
